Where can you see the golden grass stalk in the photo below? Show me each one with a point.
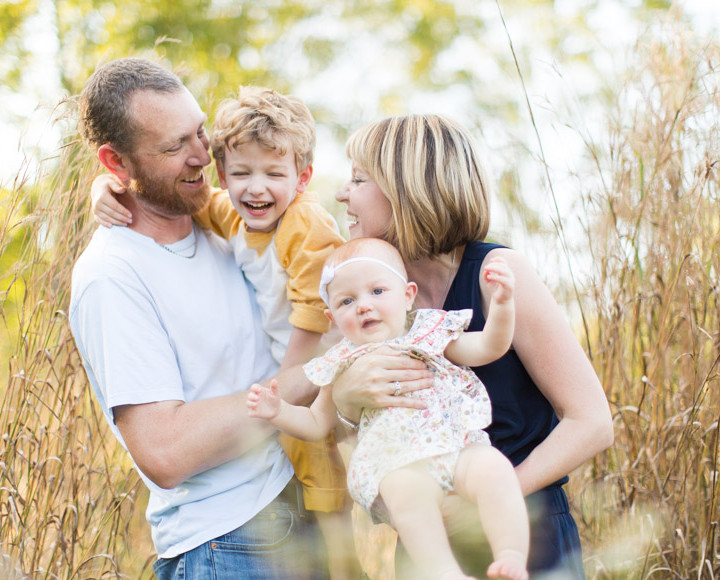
(648, 508)
(67, 489)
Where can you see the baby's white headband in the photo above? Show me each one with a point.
(328, 274)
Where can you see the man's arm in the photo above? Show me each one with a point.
(171, 441)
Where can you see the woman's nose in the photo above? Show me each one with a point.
(341, 194)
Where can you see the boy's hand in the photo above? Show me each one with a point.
(264, 402)
(107, 210)
(500, 279)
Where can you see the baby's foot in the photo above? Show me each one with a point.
(510, 565)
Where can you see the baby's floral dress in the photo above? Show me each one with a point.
(458, 409)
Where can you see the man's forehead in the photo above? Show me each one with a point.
(170, 114)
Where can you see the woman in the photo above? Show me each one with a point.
(417, 182)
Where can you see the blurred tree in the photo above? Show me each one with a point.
(14, 54)
(351, 61)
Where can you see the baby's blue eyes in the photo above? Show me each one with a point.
(348, 301)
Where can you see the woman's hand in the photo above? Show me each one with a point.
(108, 211)
(380, 379)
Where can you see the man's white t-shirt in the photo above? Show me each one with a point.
(154, 326)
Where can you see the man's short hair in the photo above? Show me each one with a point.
(104, 107)
(275, 122)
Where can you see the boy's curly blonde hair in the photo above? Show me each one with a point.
(261, 115)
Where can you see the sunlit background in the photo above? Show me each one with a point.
(599, 121)
(354, 62)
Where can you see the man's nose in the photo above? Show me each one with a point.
(200, 154)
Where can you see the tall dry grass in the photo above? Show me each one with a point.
(68, 494)
(648, 508)
(71, 504)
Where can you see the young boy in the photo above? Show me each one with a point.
(263, 143)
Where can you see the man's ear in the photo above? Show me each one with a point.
(114, 161)
(221, 173)
(304, 178)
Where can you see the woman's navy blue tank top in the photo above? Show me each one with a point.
(521, 415)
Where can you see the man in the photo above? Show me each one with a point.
(170, 336)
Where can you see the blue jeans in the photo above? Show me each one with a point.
(281, 542)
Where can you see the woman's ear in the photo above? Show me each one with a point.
(329, 315)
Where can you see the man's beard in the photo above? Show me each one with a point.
(164, 197)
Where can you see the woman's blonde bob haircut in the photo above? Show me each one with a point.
(429, 169)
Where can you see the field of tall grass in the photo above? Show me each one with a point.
(648, 508)
(71, 505)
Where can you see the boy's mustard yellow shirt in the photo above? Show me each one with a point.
(303, 239)
(285, 266)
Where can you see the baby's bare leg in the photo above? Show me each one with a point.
(485, 476)
(413, 499)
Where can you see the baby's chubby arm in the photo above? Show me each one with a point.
(108, 211)
(483, 347)
(308, 423)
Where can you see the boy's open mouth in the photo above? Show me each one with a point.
(258, 206)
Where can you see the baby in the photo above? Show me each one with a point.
(405, 458)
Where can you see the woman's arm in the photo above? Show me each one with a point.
(553, 357)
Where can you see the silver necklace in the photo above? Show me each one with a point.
(181, 254)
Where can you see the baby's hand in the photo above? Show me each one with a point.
(108, 211)
(264, 402)
(500, 279)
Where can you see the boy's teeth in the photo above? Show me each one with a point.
(351, 219)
